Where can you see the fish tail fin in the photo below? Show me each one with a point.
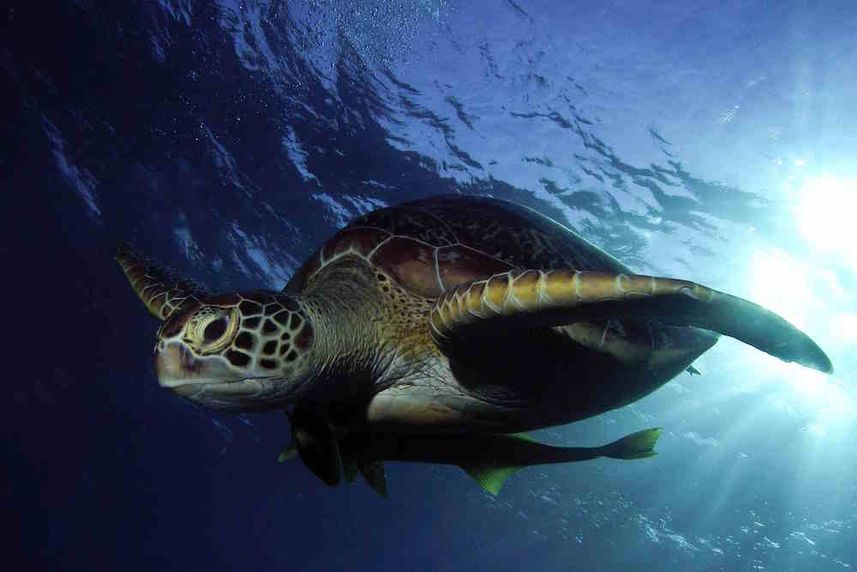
(639, 445)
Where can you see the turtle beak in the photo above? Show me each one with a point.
(179, 370)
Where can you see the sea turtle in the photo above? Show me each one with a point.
(449, 314)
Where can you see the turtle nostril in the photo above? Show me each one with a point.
(186, 359)
(178, 365)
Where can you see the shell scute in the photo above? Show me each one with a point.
(382, 219)
(424, 226)
(360, 240)
(430, 245)
(458, 264)
(357, 238)
(411, 263)
(416, 223)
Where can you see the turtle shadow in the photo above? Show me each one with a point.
(545, 372)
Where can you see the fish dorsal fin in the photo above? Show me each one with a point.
(491, 478)
(161, 290)
(521, 299)
(349, 470)
(317, 445)
(373, 474)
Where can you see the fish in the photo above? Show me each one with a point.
(489, 459)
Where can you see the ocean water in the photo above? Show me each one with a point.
(709, 141)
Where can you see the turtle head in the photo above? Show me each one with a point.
(239, 351)
(235, 351)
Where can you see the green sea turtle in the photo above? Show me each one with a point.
(453, 314)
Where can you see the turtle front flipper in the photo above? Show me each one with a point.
(161, 290)
(521, 299)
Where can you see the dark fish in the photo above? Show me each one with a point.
(488, 459)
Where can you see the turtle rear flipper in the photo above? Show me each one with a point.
(317, 445)
(521, 299)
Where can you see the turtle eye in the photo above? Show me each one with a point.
(214, 330)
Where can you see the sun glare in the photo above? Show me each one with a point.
(808, 298)
(825, 215)
(781, 283)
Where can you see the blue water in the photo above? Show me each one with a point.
(708, 141)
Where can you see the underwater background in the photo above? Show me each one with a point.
(228, 139)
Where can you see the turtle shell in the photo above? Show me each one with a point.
(433, 244)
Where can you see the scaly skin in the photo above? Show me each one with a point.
(447, 314)
(349, 333)
(372, 337)
(363, 351)
(533, 298)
